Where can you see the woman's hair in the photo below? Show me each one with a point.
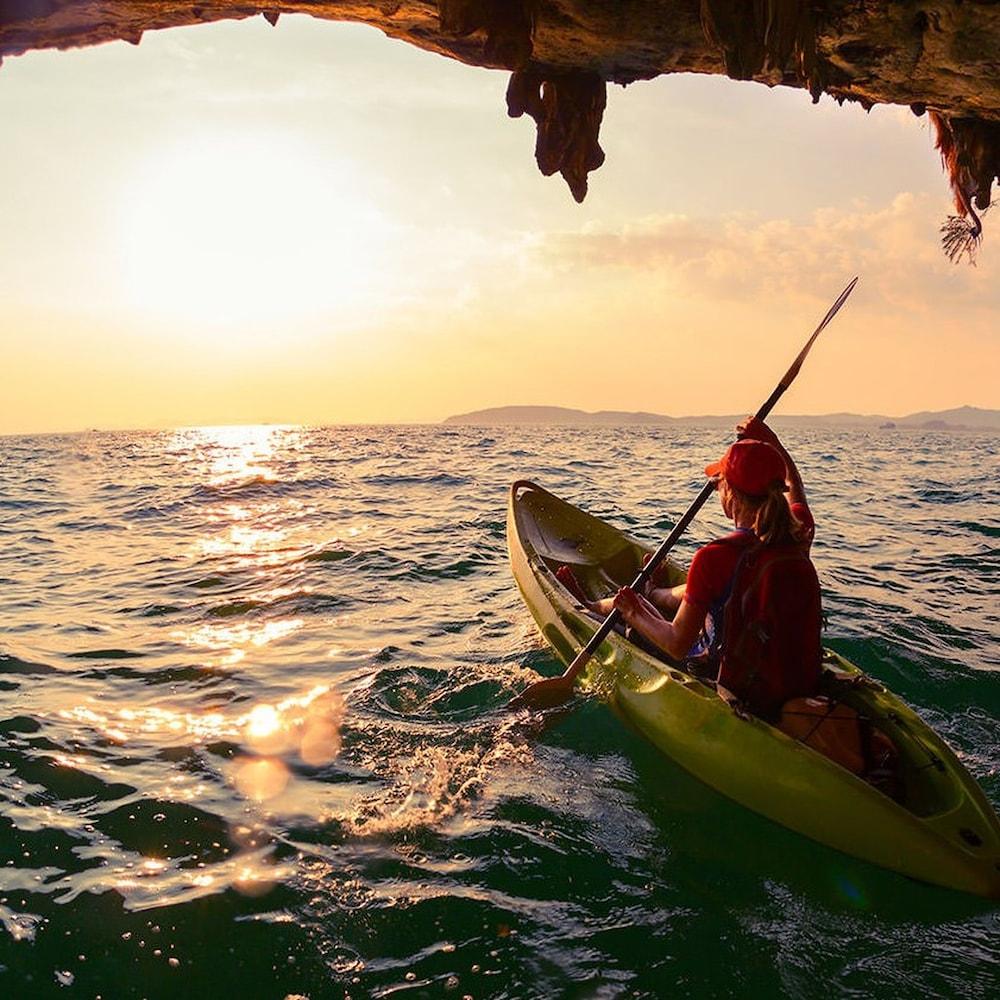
(773, 522)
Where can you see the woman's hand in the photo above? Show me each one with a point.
(659, 575)
(753, 429)
(675, 637)
(628, 605)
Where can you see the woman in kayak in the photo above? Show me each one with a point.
(761, 492)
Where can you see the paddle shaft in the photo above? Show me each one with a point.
(583, 657)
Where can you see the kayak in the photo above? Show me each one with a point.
(939, 828)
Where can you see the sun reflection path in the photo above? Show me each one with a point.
(232, 640)
(150, 883)
(240, 539)
(308, 724)
(235, 454)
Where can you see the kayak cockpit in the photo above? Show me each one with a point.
(559, 534)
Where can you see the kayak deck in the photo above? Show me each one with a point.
(942, 829)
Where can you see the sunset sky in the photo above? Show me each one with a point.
(315, 224)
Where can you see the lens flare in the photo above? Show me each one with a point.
(261, 778)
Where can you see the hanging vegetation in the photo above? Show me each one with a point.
(970, 152)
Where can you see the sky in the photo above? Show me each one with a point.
(313, 223)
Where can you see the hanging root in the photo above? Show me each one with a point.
(970, 153)
(962, 237)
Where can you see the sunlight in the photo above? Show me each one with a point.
(229, 459)
(235, 454)
(263, 722)
(248, 229)
(308, 723)
(244, 541)
(231, 642)
(150, 883)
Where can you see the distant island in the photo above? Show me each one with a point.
(960, 418)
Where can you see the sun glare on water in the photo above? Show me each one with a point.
(248, 229)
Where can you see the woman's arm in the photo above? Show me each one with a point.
(667, 598)
(674, 638)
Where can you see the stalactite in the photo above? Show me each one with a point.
(763, 39)
(509, 27)
(970, 153)
(728, 28)
(567, 110)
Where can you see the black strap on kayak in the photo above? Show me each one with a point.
(819, 722)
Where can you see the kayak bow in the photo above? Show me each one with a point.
(943, 831)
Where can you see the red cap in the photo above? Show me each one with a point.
(753, 467)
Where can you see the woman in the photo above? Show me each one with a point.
(761, 492)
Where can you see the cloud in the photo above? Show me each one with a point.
(740, 255)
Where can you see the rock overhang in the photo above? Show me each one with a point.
(936, 56)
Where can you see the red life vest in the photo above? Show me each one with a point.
(771, 634)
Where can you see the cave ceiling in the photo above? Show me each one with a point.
(939, 58)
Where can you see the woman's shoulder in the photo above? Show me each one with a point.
(713, 566)
(724, 551)
(740, 539)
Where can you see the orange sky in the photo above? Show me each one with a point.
(316, 224)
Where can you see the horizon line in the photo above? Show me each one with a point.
(153, 429)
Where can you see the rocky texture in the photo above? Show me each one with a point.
(937, 55)
(567, 108)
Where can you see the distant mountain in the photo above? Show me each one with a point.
(556, 415)
(961, 418)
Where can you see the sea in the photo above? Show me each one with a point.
(254, 740)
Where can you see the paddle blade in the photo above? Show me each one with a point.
(831, 312)
(544, 694)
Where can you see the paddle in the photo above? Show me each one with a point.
(555, 690)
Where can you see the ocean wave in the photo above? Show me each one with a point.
(296, 602)
(990, 530)
(105, 654)
(233, 608)
(944, 495)
(159, 510)
(86, 524)
(454, 569)
(15, 665)
(437, 479)
(328, 555)
(154, 610)
(151, 677)
(25, 503)
(263, 484)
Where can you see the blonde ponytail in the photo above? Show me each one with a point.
(773, 523)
